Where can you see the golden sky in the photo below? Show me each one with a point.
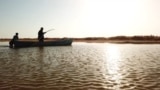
(79, 18)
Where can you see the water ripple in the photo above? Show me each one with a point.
(81, 67)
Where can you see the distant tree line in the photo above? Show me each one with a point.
(151, 37)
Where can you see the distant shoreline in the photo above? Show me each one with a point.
(117, 40)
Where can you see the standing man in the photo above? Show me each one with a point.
(41, 35)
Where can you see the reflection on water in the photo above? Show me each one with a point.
(81, 66)
(113, 58)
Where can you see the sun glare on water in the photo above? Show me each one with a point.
(113, 64)
(113, 59)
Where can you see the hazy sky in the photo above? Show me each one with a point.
(79, 18)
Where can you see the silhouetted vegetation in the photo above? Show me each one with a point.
(151, 37)
(115, 39)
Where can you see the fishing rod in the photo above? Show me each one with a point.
(49, 30)
(42, 36)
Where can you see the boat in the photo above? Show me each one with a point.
(61, 42)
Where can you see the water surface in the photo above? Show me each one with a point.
(82, 66)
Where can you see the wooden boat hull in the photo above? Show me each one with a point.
(62, 42)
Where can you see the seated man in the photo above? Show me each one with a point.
(15, 38)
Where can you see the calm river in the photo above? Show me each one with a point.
(82, 66)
